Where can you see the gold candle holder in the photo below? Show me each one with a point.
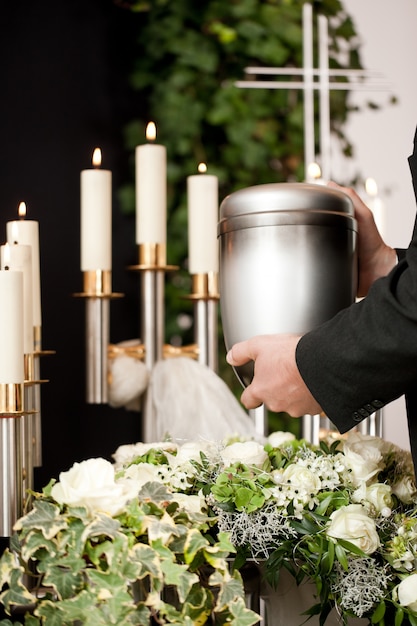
(11, 399)
(97, 293)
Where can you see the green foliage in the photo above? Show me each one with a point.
(104, 570)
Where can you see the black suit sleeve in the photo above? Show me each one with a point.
(366, 356)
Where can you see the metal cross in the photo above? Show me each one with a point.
(308, 84)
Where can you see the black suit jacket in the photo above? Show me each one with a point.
(366, 356)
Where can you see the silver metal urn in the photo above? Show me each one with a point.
(288, 260)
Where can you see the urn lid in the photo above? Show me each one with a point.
(284, 204)
(285, 197)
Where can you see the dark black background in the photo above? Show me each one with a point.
(64, 90)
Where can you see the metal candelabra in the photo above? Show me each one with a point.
(20, 439)
(152, 267)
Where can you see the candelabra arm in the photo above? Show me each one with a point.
(372, 425)
(310, 428)
(152, 266)
(11, 411)
(205, 296)
(9, 496)
(37, 418)
(260, 419)
(98, 293)
(97, 339)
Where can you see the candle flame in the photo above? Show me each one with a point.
(22, 209)
(371, 187)
(151, 131)
(97, 157)
(314, 171)
(6, 256)
(202, 168)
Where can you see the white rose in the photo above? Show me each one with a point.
(190, 451)
(248, 452)
(407, 592)
(359, 442)
(299, 477)
(92, 484)
(379, 495)
(193, 504)
(405, 489)
(142, 473)
(280, 437)
(353, 524)
(128, 452)
(362, 458)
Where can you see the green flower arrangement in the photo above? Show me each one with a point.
(161, 536)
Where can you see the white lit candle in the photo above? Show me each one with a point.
(96, 216)
(203, 255)
(18, 258)
(376, 205)
(11, 327)
(151, 191)
(26, 232)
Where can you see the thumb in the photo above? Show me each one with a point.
(240, 353)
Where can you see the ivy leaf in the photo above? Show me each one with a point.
(147, 561)
(229, 590)
(44, 516)
(193, 544)
(65, 582)
(241, 615)
(155, 492)
(102, 524)
(16, 594)
(177, 574)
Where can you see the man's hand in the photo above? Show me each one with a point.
(376, 259)
(277, 383)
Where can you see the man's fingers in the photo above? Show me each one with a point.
(249, 400)
(239, 354)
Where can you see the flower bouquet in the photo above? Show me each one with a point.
(161, 535)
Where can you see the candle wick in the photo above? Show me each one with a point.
(6, 267)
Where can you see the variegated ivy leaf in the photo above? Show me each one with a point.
(162, 528)
(230, 589)
(102, 524)
(147, 561)
(16, 593)
(193, 544)
(35, 542)
(65, 582)
(82, 607)
(114, 553)
(241, 615)
(199, 605)
(177, 574)
(155, 492)
(44, 516)
(8, 563)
